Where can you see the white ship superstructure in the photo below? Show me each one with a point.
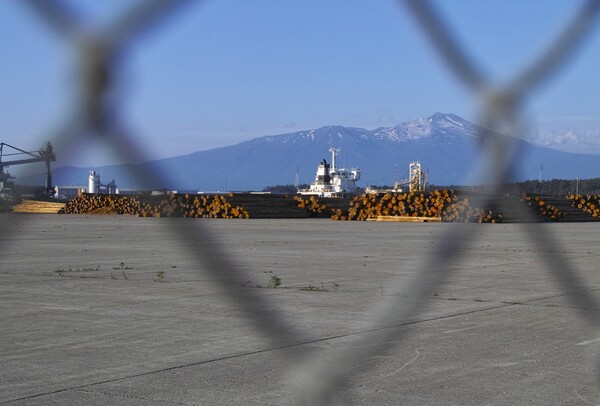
(331, 181)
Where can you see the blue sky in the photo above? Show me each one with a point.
(222, 71)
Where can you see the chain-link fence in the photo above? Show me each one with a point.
(98, 114)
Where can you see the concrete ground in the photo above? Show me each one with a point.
(115, 310)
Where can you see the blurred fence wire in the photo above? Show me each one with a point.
(97, 113)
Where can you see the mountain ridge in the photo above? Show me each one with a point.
(444, 143)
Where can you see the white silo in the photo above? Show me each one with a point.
(94, 182)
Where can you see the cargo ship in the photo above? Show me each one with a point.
(332, 181)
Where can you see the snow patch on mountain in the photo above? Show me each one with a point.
(438, 124)
(447, 126)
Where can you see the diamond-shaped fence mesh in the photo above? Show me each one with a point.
(101, 54)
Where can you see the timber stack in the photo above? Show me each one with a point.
(38, 206)
(203, 206)
(105, 204)
(444, 204)
(542, 207)
(589, 204)
(313, 207)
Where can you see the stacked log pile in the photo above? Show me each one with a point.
(444, 204)
(36, 206)
(542, 208)
(313, 207)
(589, 204)
(461, 211)
(105, 204)
(439, 205)
(198, 206)
(271, 206)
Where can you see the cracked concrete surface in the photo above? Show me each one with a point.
(86, 317)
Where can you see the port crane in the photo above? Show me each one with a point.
(45, 154)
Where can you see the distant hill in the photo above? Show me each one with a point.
(445, 144)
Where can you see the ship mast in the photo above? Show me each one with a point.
(334, 153)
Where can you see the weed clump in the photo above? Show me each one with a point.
(274, 282)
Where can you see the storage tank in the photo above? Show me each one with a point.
(94, 182)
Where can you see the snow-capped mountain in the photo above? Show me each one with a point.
(447, 126)
(445, 144)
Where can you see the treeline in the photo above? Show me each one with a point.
(546, 187)
(285, 189)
